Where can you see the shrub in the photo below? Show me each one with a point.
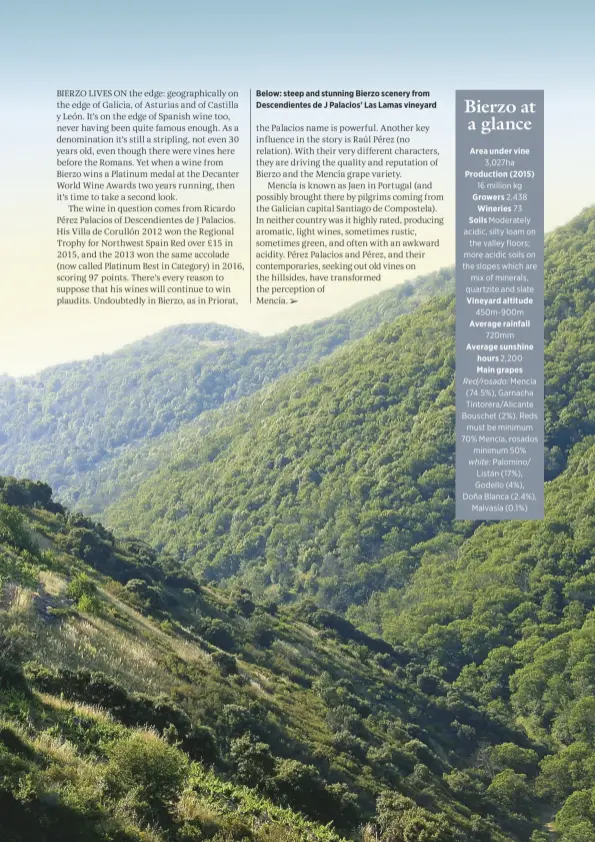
(144, 596)
(235, 720)
(429, 684)
(89, 546)
(144, 762)
(89, 604)
(200, 744)
(296, 783)
(245, 605)
(254, 764)
(14, 531)
(226, 663)
(346, 812)
(261, 632)
(346, 743)
(81, 585)
(345, 718)
(219, 634)
(384, 660)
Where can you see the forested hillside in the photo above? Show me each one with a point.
(137, 703)
(336, 481)
(337, 484)
(68, 424)
(305, 645)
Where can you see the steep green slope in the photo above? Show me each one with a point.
(510, 618)
(69, 423)
(138, 704)
(336, 481)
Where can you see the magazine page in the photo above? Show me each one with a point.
(297, 423)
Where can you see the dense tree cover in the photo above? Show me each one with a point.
(79, 426)
(171, 710)
(336, 481)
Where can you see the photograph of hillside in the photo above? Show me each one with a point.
(235, 604)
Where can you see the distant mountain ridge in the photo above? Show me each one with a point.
(68, 422)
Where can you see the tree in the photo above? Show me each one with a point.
(510, 791)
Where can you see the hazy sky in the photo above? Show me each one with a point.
(435, 46)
